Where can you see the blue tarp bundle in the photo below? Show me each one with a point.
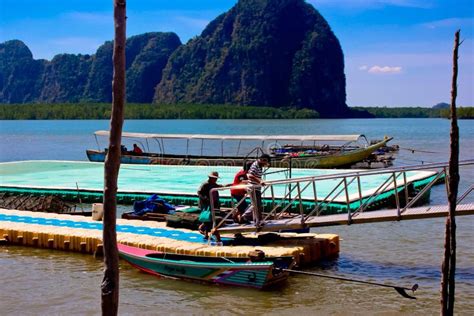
(152, 204)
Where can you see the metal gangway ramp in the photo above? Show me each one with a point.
(359, 206)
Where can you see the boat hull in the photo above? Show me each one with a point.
(257, 275)
(340, 159)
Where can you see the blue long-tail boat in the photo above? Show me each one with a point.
(313, 151)
(219, 270)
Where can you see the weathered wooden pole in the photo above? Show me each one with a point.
(449, 260)
(110, 282)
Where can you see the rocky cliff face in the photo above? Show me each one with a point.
(64, 78)
(20, 74)
(261, 52)
(279, 53)
(74, 78)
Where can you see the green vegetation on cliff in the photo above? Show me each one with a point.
(74, 78)
(20, 74)
(148, 111)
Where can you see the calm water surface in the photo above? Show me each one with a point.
(40, 282)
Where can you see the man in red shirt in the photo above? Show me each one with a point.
(137, 150)
(239, 194)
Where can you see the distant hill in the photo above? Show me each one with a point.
(74, 78)
(442, 105)
(464, 112)
(263, 53)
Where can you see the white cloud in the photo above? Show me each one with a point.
(89, 17)
(193, 22)
(75, 45)
(381, 69)
(185, 23)
(385, 70)
(452, 22)
(413, 59)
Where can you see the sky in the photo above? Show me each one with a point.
(397, 52)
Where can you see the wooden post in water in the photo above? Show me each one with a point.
(449, 260)
(110, 282)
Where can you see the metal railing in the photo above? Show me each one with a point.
(397, 185)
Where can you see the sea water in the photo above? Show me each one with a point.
(38, 281)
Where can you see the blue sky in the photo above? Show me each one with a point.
(397, 52)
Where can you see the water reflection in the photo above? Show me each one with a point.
(349, 266)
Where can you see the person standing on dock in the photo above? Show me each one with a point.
(238, 195)
(204, 194)
(254, 176)
(204, 191)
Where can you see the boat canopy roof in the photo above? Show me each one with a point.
(345, 138)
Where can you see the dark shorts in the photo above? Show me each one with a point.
(242, 206)
(206, 227)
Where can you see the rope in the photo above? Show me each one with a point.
(415, 160)
(413, 150)
(401, 290)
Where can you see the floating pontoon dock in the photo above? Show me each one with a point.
(178, 184)
(81, 234)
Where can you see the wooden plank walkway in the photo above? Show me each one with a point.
(359, 218)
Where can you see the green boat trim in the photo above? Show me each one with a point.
(206, 269)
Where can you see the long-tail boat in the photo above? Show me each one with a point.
(219, 270)
(296, 151)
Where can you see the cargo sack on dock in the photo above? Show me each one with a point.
(153, 204)
(183, 220)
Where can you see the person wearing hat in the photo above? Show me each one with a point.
(205, 190)
(204, 194)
